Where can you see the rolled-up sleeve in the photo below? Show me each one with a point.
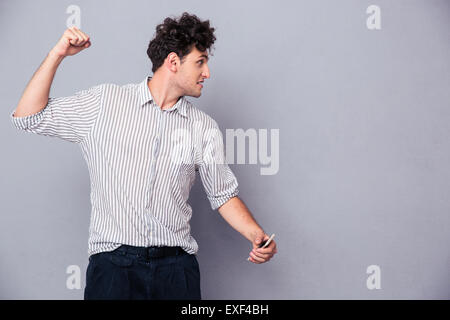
(218, 180)
(70, 118)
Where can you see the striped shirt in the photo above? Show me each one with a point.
(142, 162)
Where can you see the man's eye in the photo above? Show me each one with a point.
(201, 61)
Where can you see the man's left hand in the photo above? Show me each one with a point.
(261, 255)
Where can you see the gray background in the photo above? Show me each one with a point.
(364, 144)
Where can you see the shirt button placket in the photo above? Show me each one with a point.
(157, 139)
(155, 151)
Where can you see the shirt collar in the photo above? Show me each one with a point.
(146, 96)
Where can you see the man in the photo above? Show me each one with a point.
(143, 144)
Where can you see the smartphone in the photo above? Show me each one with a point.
(265, 243)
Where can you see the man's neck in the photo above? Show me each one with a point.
(163, 94)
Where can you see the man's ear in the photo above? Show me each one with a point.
(172, 62)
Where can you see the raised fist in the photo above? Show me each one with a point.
(72, 41)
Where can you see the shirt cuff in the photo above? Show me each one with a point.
(27, 122)
(217, 202)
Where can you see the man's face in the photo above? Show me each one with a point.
(192, 72)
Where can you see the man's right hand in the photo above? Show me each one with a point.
(72, 41)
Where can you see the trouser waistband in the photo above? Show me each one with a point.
(151, 252)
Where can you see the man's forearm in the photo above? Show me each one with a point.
(239, 217)
(35, 96)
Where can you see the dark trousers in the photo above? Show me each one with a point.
(143, 273)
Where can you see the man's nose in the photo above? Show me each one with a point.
(206, 72)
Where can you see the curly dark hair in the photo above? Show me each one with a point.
(179, 36)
